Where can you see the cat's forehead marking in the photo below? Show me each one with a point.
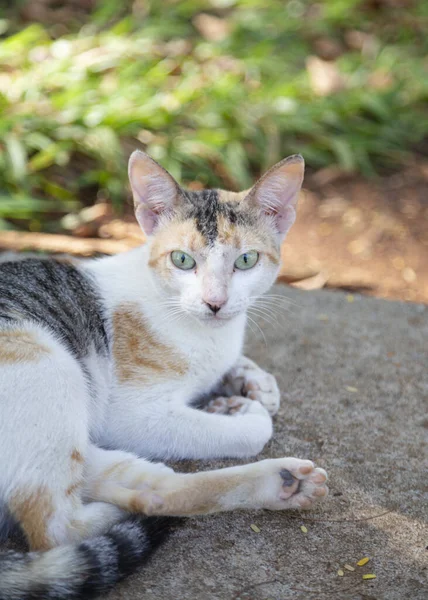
(228, 233)
(206, 207)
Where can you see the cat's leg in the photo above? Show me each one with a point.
(246, 379)
(165, 430)
(154, 489)
(44, 403)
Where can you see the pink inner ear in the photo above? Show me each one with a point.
(278, 191)
(153, 188)
(285, 219)
(147, 218)
(279, 203)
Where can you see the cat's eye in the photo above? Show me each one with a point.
(247, 260)
(182, 260)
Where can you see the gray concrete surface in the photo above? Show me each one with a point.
(354, 377)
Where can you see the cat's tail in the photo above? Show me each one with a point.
(82, 570)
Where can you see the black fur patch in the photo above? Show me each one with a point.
(205, 208)
(103, 560)
(57, 295)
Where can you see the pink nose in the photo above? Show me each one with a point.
(215, 305)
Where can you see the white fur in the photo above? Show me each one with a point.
(156, 421)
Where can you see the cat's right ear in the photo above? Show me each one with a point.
(155, 191)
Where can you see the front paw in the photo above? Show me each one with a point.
(253, 423)
(236, 406)
(256, 384)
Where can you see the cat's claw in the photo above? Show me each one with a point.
(286, 483)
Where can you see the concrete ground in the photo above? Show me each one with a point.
(354, 377)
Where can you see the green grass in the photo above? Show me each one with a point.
(73, 107)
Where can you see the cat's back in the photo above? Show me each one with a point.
(57, 295)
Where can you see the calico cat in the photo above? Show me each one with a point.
(101, 363)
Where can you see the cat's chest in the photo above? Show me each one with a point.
(179, 362)
(212, 356)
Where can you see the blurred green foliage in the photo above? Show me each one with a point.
(216, 90)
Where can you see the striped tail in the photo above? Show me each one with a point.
(82, 570)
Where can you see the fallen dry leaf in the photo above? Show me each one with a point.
(324, 77)
(211, 28)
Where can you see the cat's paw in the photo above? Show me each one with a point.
(236, 406)
(256, 384)
(285, 483)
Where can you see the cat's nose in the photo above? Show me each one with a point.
(214, 307)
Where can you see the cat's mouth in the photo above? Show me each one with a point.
(218, 319)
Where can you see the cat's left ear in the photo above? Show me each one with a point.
(277, 192)
(155, 191)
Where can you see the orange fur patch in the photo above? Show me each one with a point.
(176, 236)
(139, 355)
(228, 233)
(33, 510)
(117, 470)
(197, 494)
(133, 489)
(226, 196)
(20, 346)
(72, 489)
(75, 455)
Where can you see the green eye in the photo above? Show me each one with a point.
(182, 260)
(247, 260)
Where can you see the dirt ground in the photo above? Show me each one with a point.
(367, 236)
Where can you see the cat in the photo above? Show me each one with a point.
(101, 363)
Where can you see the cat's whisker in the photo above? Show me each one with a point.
(273, 301)
(279, 316)
(270, 306)
(275, 305)
(274, 324)
(173, 315)
(258, 327)
(170, 302)
(277, 299)
(274, 310)
(265, 316)
(265, 313)
(281, 298)
(250, 326)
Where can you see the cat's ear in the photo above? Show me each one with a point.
(277, 192)
(155, 191)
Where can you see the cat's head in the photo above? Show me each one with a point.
(214, 252)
